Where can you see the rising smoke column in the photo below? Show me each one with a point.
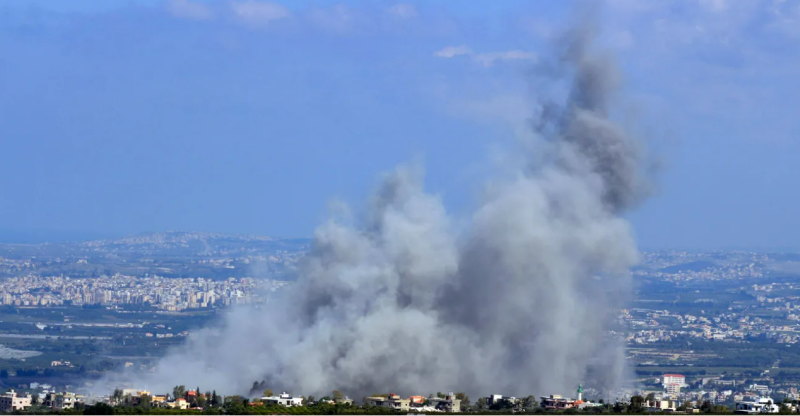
(398, 302)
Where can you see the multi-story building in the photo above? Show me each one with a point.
(673, 390)
(179, 403)
(447, 404)
(11, 401)
(284, 399)
(67, 401)
(393, 401)
(556, 402)
(660, 406)
(673, 379)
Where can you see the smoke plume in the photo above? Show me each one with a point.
(518, 304)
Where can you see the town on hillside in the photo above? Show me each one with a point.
(670, 398)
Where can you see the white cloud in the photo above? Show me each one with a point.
(452, 51)
(258, 13)
(403, 10)
(190, 10)
(484, 58)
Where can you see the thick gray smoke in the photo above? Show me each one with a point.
(518, 304)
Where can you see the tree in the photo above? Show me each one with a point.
(179, 391)
(201, 401)
(145, 401)
(268, 393)
(311, 399)
(480, 405)
(707, 407)
(650, 398)
(234, 406)
(337, 396)
(116, 397)
(464, 400)
(504, 404)
(529, 402)
(440, 395)
(685, 406)
(99, 409)
(230, 399)
(637, 404)
(212, 411)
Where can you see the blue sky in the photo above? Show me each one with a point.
(250, 116)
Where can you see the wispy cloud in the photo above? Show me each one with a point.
(486, 59)
(452, 51)
(258, 13)
(403, 10)
(187, 9)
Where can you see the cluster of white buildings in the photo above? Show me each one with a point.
(652, 326)
(11, 401)
(169, 294)
(448, 403)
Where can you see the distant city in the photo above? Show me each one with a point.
(169, 294)
(718, 327)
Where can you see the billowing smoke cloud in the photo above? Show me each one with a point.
(397, 301)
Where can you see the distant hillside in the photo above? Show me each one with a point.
(184, 243)
(168, 254)
(34, 236)
(694, 266)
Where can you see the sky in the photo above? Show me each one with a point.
(248, 116)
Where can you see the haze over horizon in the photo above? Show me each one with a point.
(126, 117)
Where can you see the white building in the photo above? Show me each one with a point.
(66, 401)
(11, 401)
(284, 400)
(673, 390)
(758, 405)
(761, 389)
(673, 379)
